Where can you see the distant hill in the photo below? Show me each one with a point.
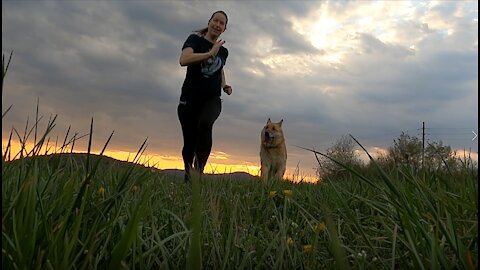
(109, 161)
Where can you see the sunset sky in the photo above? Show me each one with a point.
(327, 68)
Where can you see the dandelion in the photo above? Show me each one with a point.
(307, 248)
(290, 241)
(288, 193)
(319, 227)
(101, 190)
(272, 194)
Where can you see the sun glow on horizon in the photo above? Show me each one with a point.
(219, 162)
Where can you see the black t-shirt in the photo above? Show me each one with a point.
(203, 80)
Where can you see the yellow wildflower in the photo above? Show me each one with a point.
(101, 190)
(319, 227)
(290, 241)
(135, 188)
(288, 193)
(272, 194)
(307, 248)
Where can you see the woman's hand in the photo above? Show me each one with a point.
(227, 89)
(216, 47)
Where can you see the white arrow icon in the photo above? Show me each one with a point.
(474, 136)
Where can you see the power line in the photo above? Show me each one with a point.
(449, 128)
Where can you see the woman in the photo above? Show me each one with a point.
(200, 103)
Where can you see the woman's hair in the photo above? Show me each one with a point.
(203, 31)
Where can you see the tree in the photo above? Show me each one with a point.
(342, 151)
(438, 156)
(406, 151)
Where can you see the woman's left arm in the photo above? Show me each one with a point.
(226, 88)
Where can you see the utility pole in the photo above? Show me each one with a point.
(423, 144)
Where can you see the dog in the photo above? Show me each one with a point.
(273, 152)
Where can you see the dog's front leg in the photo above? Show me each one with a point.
(280, 172)
(264, 172)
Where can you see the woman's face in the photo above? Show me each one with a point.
(217, 24)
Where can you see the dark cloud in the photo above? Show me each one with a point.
(417, 86)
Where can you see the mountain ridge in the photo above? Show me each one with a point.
(107, 160)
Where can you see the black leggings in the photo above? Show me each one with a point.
(197, 120)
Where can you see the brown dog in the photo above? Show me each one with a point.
(273, 152)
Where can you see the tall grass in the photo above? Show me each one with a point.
(62, 212)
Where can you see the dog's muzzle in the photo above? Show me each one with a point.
(269, 138)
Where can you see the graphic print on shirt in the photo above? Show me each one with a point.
(211, 66)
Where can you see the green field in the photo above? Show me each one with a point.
(89, 212)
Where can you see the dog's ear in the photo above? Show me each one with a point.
(269, 121)
(280, 123)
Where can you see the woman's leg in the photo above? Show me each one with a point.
(188, 116)
(209, 112)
